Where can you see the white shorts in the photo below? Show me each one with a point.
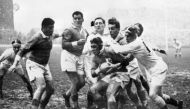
(72, 63)
(158, 79)
(133, 69)
(134, 73)
(158, 74)
(36, 70)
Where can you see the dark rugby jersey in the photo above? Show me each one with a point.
(73, 34)
(39, 47)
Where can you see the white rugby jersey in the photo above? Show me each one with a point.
(8, 56)
(144, 55)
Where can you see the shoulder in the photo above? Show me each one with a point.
(36, 36)
(8, 51)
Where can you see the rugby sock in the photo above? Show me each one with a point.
(89, 99)
(35, 102)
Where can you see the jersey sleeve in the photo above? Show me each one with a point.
(127, 48)
(6, 54)
(28, 46)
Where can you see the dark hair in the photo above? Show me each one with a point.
(132, 30)
(77, 13)
(101, 19)
(114, 21)
(141, 29)
(16, 41)
(47, 21)
(92, 23)
(98, 41)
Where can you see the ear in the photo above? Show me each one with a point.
(82, 19)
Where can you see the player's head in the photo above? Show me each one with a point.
(16, 44)
(47, 26)
(96, 45)
(140, 28)
(131, 34)
(114, 27)
(67, 34)
(77, 18)
(99, 25)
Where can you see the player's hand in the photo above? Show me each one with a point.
(81, 42)
(113, 67)
(12, 69)
(163, 52)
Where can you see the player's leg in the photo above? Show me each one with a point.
(112, 91)
(95, 92)
(180, 53)
(20, 72)
(36, 75)
(141, 92)
(144, 83)
(74, 89)
(155, 93)
(49, 90)
(2, 74)
(176, 52)
(132, 94)
(80, 82)
(68, 66)
(73, 78)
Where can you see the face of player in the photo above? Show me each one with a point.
(113, 30)
(78, 20)
(95, 48)
(16, 47)
(48, 30)
(99, 26)
(129, 36)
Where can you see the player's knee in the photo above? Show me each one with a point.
(111, 99)
(152, 95)
(41, 86)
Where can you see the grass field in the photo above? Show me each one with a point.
(177, 84)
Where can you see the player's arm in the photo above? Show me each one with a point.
(67, 42)
(94, 67)
(123, 49)
(155, 48)
(4, 55)
(56, 36)
(112, 68)
(160, 51)
(26, 48)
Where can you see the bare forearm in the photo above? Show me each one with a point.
(17, 60)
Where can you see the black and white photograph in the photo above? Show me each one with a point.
(94, 54)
